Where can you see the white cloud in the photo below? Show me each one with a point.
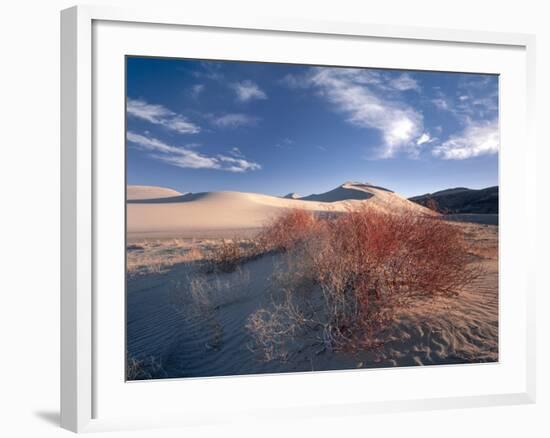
(477, 138)
(196, 90)
(285, 143)
(248, 90)
(294, 81)
(234, 120)
(181, 124)
(187, 158)
(424, 138)
(405, 82)
(357, 93)
(238, 164)
(477, 99)
(160, 115)
(146, 111)
(475, 107)
(442, 104)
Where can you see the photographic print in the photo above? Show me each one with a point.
(300, 218)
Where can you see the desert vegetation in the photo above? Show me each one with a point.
(314, 290)
(144, 369)
(344, 277)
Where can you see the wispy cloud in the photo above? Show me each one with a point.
(424, 138)
(185, 157)
(477, 138)
(285, 143)
(210, 70)
(196, 90)
(475, 107)
(377, 100)
(442, 104)
(160, 115)
(247, 90)
(405, 82)
(362, 96)
(234, 120)
(236, 152)
(477, 98)
(238, 165)
(294, 81)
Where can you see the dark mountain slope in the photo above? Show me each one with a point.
(461, 200)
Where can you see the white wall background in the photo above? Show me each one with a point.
(29, 215)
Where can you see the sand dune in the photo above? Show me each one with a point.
(149, 192)
(173, 214)
(348, 190)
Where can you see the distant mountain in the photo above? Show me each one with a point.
(462, 200)
(292, 196)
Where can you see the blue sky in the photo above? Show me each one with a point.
(200, 126)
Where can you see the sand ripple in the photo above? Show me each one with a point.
(207, 337)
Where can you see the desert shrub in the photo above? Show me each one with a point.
(230, 254)
(289, 229)
(395, 254)
(273, 328)
(365, 264)
(281, 234)
(226, 257)
(144, 369)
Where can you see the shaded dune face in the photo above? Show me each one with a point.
(348, 190)
(186, 214)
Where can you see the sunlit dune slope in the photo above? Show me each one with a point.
(176, 214)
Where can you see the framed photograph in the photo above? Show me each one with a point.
(265, 208)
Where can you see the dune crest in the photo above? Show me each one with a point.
(174, 214)
(135, 193)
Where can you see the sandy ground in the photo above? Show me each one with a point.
(193, 324)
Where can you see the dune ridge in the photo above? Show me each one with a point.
(134, 193)
(185, 214)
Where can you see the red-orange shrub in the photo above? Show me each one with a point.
(288, 230)
(366, 264)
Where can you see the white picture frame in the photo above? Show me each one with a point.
(83, 371)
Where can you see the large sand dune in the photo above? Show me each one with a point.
(135, 193)
(173, 214)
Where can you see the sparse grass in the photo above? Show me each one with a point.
(158, 256)
(366, 265)
(202, 295)
(144, 369)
